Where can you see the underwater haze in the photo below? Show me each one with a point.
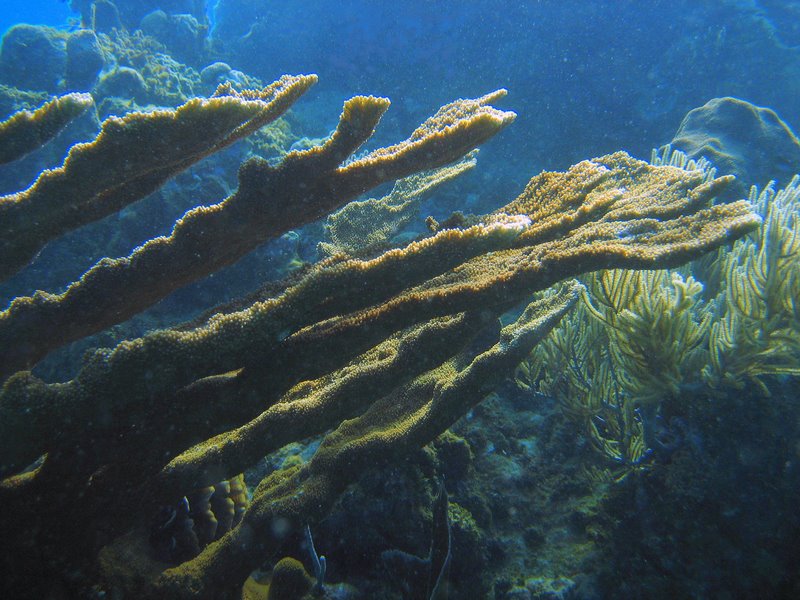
(38, 12)
(399, 300)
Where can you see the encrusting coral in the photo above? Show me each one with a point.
(384, 353)
(130, 158)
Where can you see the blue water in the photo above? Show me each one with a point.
(37, 12)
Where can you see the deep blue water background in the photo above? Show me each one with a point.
(36, 12)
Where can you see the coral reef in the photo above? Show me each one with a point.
(552, 507)
(181, 26)
(384, 353)
(661, 462)
(676, 421)
(175, 140)
(250, 215)
(115, 65)
(166, 81)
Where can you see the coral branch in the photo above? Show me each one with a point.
(26, 131)
(130, 158)
(343, 309)
(269, 201)
(387, 351)
(312, 407)
(365, 226)
(410, 417)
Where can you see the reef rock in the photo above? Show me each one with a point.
(741, 139)
(123, 82)
(33, 57)
(84, 60)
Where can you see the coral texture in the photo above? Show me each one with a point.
(26, 131)
(363, 226)
(643, 343)
(384, 353)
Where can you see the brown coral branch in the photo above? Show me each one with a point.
(130, 158)
(343, 309)
(408, 418)
(517, 272)
(269, 201)
(311, 407)
(26, 131)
